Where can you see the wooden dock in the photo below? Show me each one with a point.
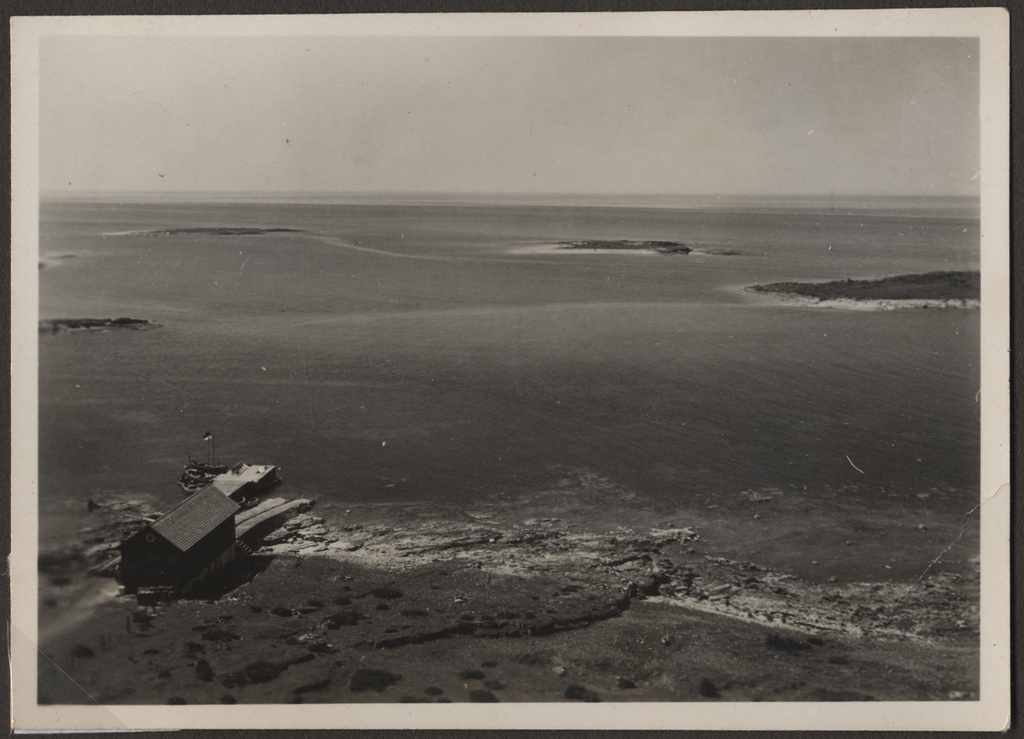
(252, 524)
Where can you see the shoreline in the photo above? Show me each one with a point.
(533, 602)
(880, 304)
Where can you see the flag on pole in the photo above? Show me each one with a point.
(207, 436)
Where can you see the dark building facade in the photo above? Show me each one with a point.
(182, 548)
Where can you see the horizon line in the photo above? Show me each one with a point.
(495, 193)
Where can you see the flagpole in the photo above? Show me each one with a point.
(211, 449)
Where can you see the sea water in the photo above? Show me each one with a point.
(410, 350)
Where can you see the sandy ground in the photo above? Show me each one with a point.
(409, 603)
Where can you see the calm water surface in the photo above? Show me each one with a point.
(408, 353)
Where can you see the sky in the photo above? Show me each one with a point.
(572, 115)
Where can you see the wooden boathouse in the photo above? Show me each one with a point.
(184, 547)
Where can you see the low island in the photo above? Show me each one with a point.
(938, 289)
(661, 247)
(219, 231)
(78, 324)
(55, 259)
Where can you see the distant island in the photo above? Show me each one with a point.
(56, 324)
(933, 287)
(219, 231)
(661, 247)
(54, 259)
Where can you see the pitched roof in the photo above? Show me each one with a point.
(195, 517)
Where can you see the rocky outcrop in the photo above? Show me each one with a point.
(564, 578)
(599, 574)
(528, 608)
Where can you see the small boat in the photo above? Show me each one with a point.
(198, 475)
(206, 467)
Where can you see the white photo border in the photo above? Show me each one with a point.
(993, 710)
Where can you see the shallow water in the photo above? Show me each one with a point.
(408, 353)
